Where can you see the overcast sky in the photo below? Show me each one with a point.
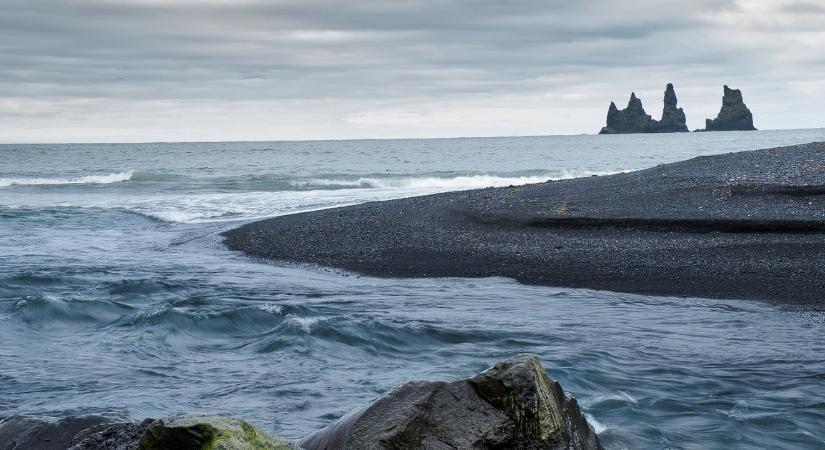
(171, 70)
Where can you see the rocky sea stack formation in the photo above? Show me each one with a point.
(513, 405)
(634, 119)
(734, 115)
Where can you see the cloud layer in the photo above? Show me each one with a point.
(138, 70)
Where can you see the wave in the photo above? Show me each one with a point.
(50, 311)
(138, 176)
(620, 397)
(187, 205)
(276, 182)
(441, 182)
(598, 427)
(88, 179)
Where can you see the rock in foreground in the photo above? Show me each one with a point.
(44, 433)
(185, 432)
(513, 405)
(197, 432)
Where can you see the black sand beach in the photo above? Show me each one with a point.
(747, 225)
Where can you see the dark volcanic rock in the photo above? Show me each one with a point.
(734, 115)
(673, 117)
(185, 432)
(513, 405)
(43, 433)
(116, 436)
(634, 119)
(748, 225)
(196, 432)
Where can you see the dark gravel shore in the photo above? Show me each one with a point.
(747, 225)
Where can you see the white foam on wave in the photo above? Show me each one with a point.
(272, 308)
(199, 208)
(225, 207)
(739, 412)
(621, 396)
(231, 206)
(88, 179)
(434, 182)
(305, 324)
(598, 427)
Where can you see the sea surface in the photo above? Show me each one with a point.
(117, 296)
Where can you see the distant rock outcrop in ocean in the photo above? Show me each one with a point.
(673, 118)
(634, 119)
(734, 115)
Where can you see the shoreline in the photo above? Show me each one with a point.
(746, 225)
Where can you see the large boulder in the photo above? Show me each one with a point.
(203, 432)
(114, 436)
(513, 405)
(734, 114)
(44, 433)
(185, 432)
(634, 119)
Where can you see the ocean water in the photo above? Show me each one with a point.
(117, 296)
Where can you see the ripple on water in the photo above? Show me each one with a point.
(105, 309)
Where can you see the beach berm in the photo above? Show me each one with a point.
(746, 225)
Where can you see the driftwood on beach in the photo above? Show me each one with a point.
(748, 225)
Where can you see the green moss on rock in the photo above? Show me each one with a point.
(207, 432)
(520, 387)
(512, 405)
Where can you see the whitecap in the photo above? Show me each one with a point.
(88, 179)
(598, 427)
(739, 412)
(451, 183)
(621, 396)
(305, 324)
(232, 206)
(271, 308)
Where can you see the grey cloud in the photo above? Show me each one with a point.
(804, 8)
(358, 55)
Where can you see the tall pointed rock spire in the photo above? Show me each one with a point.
(634, 119)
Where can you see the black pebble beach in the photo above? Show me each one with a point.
(748, 225)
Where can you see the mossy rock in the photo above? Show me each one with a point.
(207, 432)
(513, 405)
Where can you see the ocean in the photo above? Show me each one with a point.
(118, 297)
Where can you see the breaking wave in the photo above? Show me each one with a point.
(193, 205)
(277, 182)
(88, 179)
(441, 182)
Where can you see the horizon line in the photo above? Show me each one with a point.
(374, 139)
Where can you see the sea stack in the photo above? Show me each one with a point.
(734, 115)
(634, 119)
(673, 118)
